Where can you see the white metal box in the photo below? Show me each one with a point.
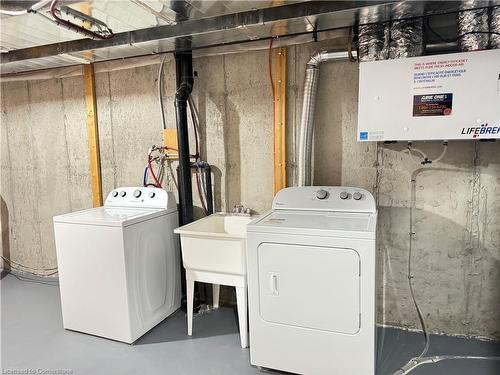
(439, 97)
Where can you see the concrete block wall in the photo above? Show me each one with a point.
(456, 255)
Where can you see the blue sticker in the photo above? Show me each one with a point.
(363, 136)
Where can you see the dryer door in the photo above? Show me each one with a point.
(310, 287)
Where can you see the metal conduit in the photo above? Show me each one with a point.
(304, 174)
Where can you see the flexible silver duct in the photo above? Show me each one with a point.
(474, 22)
(406, 34)
(373, 38)
(495, 27)
(406, 38)
(373, 42)
(303, 176)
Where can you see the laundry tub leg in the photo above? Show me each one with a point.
(215, 295)
(190, 297)
(241, 300)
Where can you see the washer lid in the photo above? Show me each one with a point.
(338, 224)
(110, 216)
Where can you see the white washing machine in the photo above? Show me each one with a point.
(119, 265)
(311, 282)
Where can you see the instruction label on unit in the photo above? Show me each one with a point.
(432, 104)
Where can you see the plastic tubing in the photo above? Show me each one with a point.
(145, 178)
(160, 94)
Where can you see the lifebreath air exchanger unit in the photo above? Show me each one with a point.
(439, 97)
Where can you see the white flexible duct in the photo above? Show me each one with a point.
(303, 176)
(35, 7)
(160, 93)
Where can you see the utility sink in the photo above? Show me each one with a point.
(215, 243)
(213, 251)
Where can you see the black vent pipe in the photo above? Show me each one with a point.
(184, 84)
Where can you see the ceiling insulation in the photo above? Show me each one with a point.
(147, 27)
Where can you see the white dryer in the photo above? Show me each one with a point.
(311, 282)
(119, 265)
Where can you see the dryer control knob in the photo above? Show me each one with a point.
(123, 193)
(357, 195)
(321, 194)
(344, 195)
(137, 193)
(152, 194)
(115, 194)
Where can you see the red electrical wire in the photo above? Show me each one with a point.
(157, 183)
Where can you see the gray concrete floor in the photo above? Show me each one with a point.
(32, 337)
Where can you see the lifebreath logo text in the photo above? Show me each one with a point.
(478, 131)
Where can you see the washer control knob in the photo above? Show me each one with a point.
(344, 195)
(123, 193)
(357, 195)
(137, 193)
(152, 194)
(321, 194)
(115, 194)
